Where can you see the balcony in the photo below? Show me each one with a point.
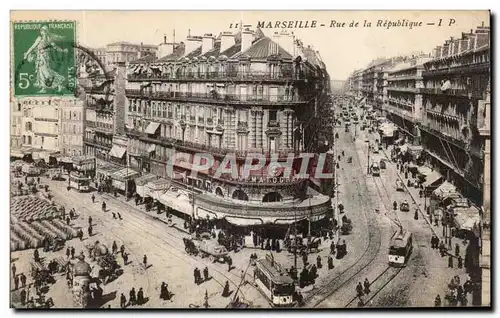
(102, 128)
(462, 70)
(453, 92)
(273, 124)
(404, 78)
(195, 147)
(284, 75)
(99, 144)
(452, 140)
(100, 108)
(222, 99)
(403, 89)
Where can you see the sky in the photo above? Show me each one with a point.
(342, 48)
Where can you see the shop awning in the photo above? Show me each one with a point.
(177, 201)
(203, 214)
(432, 178)
(151, 148)
(142, 180)
(415, 150)
(243, 221)
(466, 218)
(117, 151)
(152, 127)
(125, 174)
(158, 184)
(446, 190)
(287, 221)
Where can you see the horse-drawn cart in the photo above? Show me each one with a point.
(207, 248)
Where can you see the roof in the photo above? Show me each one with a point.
(280, 277)
(260, 49)
(195, 53)
(400, 239)
(233, 50)
(146, 59)
(177, 53)
(215, 51)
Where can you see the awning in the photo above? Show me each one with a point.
(152, 127)
(151, 148)
(243, 221)
(142, 180)
(466, 218)
(117, 151)
(432, 178)
(446, 190)
(125, 174)
(17, 154)
(202, 214)
(158, 184)
(177, 201)
(288, 221)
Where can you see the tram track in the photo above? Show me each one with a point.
(320, 295)
(133, 224)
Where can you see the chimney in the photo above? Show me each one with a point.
(226, 41)
(192, 43)
(165, 49)
(207, 43)
(246, 39)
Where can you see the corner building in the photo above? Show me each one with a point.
(235, 94)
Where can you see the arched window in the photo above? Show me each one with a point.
(240, 195)
(218, 191)
(272, 197)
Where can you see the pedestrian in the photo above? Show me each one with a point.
(359, 290)
(229, 263)
(332, 247)
(205, 273)
(72, 252)
(16, 282)
(22, 277)
(125, 258)
(103, 205)
(68, 252)
(132, 300)
(437, 301)
(90, 231)
(71, 213)
(14, 269)
(450, 261)
(122, 249)
(23, 297)
(68, 220)
(93, 201)
(145, 261)
(460, 261)
(114, 215)
(430, 218)
(164, 294)
(318, 262)
(140, 296)
(114, 247)
(366, 285)
(119, 215)
(123, 301)
(395, 205)
(415, 216)
(304, 258)
(433, 242)
(80, 234)
(36, 257)
(225, 292)
(90, 221)
(330, 262)
(195, 274)
(457, 250)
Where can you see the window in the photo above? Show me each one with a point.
(24, 139)
(18, 107)
(273, 115)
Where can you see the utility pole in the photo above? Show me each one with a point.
(368, 166)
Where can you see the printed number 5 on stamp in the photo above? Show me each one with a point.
(44, 58)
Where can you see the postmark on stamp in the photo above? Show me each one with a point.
(44, 58)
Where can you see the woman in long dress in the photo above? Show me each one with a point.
(39, 52)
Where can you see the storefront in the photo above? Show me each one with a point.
(123, 180)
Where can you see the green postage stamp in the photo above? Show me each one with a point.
(44, 58)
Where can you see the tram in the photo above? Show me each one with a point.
(401, 247)
(274, 282)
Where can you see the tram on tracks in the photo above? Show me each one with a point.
(274, 282)
(401, 248)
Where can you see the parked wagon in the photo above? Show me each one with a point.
(206, 248)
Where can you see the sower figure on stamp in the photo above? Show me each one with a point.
(40, 54)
